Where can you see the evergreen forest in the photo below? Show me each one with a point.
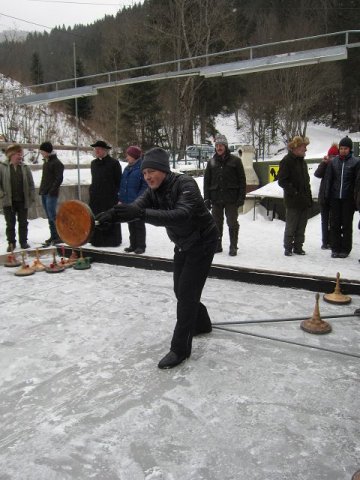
(274, 105)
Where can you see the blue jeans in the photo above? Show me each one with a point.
(49, 203)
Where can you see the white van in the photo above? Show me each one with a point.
(234, 147)
(203, 151)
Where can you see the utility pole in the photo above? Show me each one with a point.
(77, 125)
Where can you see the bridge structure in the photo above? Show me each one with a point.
(297, 52)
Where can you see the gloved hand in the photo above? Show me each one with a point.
(127, 212)
(240, 203)
(105, 217)
(208, 203)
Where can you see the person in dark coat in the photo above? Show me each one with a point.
(51, 179)
(294, 178)
(132, 185)
(17, 193)
(340, 178)
(324, 202)
(175, 202)
(225, 191)
(103, 192)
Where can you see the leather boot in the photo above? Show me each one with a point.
(233, 234)
(219, 246)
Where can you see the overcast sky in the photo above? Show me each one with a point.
(33, 15)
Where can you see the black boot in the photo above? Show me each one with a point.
(171, 359)
(234, 234)
(11, 246)
(219, 246)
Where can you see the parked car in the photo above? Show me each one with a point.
(203, 152)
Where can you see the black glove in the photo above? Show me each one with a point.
(127, 212)
(240, 203)
(105, 217)
(208, 203)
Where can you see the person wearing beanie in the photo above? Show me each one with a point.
(340, 180)
(324, 203)
(103, 193)
(293, 178)
(17, 193)
(132, 185)
(225, 191)
(175, 202)
(51, 179)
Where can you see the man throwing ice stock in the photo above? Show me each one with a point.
(174, 201)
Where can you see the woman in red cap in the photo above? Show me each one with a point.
(324, 203)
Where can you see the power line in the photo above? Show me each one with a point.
(79, 3)
(26, 21)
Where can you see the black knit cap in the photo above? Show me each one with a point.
(46, 147)
(346, 142)
(156, 158)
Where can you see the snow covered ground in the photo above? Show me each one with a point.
(81, 396)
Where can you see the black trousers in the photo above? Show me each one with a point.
(325, 223)
(294, 234)
(191, 269)
(10, 213)
(231, 213)
(137, 234)
(341, 224)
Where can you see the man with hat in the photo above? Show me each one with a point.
(294, 178)
(17, 193)
(103, 192)
(340, 178)
(225, 191)
(175, 202)
(51, 179)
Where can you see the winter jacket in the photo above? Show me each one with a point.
(5, 185)
(294, 178)
(357, 192)
(132, 183)
(224, 180)
(52, 176)
(320, 173)
(178, 206)
(340, 177)
(105, 183)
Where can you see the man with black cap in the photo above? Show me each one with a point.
(225, 191)
(103, 192)
(340, 178)
(175, 202)
(52, 178)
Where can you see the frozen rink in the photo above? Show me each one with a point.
(81, 396)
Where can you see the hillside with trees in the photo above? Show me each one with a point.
(276, 104)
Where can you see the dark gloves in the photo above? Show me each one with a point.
(127, 212)
(240, 203)
(208, 203)
(105, 217)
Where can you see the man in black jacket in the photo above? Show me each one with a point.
(175, 202)
(52, 178)
(225, 191)
(294, 178)
(339, 181)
